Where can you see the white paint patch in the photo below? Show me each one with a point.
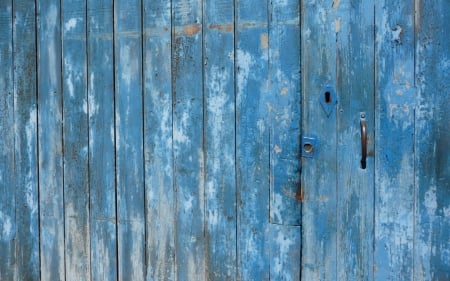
(71, 24)
(188, 204)
(93, 105)
(6, 226)
(179, 128)
(446, 211)
(51, 21)
(430, 201)
(128, 63)
(284, 245)
(245, 63)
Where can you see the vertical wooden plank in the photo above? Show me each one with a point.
(75, 135)
(129, 139)
(7, 200)
(101, 140)
(284, 111)
(25, 124)
(220, 181)
(354, 25)
(159, 181)
(432, 138)
(394, 143)
(50, 146)
(319, 222)
(283, 105)
(187, 63)
(252, 139)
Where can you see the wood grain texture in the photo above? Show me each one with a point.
(284, 111)
(129, 139)
(394, 142)
(252, 140)
(7, 151)
(75, 136)
(158, 145)
(50, 142)
(219, 135)
(25, 143)
(319, 181)
(100, 71)
(432, 138)
(188, 124)
(354, 25)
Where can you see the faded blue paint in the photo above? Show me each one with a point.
(284, 114)
(188, 140)
(394, 143)
(252, 140)
(319, 174)
(129, 140)
(50, 142)
(25, 142)
(7, 165)
(432, 138)
(160, 140)
(219, 146)
(102, 192)
(75, 140)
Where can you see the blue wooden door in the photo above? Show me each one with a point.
(374, 76)
(224, 140)
(149, 140)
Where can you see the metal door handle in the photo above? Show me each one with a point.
(363, 125)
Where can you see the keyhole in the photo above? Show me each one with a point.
(308, 147)
(327, 97)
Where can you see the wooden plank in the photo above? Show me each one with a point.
(220, 149)
(7, 200)
(158, 145)
(50, 145)
(188, 151)
(394, 142)
(75, 145)
(25, 123)
(284, 111)
(252, 140)
(101, 140)
(319, 224)
(432, 138)
(129, 139)
(355, 82)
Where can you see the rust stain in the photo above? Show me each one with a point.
(191, 29)
(264, 41)
(229, 27)
(300, 195)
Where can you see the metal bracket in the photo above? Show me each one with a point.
(328, 99)
(309, 146)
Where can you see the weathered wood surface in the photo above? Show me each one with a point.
(394, 143)
(432, 140)
(25, 142)
(7, 188)
(319, 187)
(100, 100)
(160, 140)
(50, 141)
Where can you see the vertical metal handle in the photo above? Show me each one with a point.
(363, 125)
